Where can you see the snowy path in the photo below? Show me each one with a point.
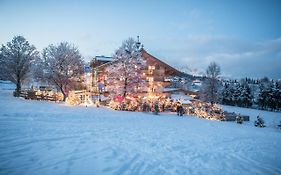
(47, 138)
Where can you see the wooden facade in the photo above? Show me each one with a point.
(155, 73)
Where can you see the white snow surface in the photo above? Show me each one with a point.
(45, 138)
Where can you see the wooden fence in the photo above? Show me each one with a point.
(41, 95)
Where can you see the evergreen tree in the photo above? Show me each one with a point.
(265, 93)
(246, 96)
(278, 94)
(236, 94)
(226, 94)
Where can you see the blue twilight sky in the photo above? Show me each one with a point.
(243, 36)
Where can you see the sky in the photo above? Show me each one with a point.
(242, 36)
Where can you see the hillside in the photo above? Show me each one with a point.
(39, 137)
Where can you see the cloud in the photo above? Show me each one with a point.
(256, 60)
(237, 57)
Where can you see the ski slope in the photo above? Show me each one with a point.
(46, 138)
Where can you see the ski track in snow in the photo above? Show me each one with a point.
(38, 137)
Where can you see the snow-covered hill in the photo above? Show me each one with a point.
(38, 137)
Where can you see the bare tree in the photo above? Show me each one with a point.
(16, 60)
(62, 66)
(124, 74)
(210, 87)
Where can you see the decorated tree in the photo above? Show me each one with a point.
(16, 60)
(124, 75)
(62, 66)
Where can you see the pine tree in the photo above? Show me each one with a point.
(278, 94)
(236, 96)
(265, 93)
(246, 96)
(225, 94)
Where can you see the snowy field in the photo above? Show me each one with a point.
(45, 138)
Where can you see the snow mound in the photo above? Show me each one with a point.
(7, 85)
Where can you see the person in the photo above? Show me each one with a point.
(144, 107)
(239, 119)
(259, 122)
(156, 108)
(123, 106)
(178, 108)
(181, 110)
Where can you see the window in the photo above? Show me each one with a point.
(150, 79)
(157, 67)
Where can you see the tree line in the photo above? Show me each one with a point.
(250, 93)
(261, 93)
(60, 65)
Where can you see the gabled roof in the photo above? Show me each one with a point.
(146, 55)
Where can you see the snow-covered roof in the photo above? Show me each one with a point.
(170, 89)
(184, 99)
(103, 58)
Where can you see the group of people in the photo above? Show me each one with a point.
(153, 107)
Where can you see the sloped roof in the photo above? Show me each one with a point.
(146, 55)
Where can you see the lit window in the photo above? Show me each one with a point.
(150, 79)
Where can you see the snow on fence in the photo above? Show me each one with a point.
(41, 95)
